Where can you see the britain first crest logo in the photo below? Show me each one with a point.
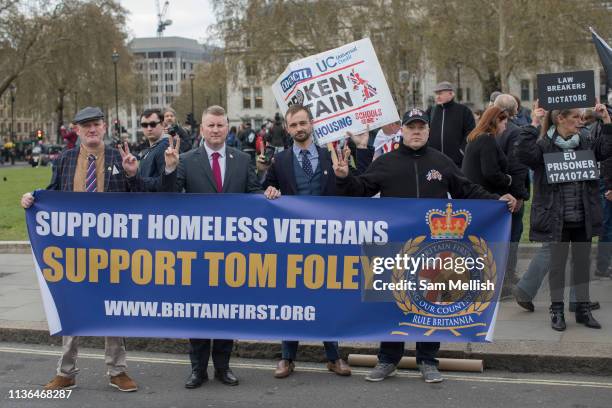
(436, 304)
(367, 89)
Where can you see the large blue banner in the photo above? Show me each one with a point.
(240, 266)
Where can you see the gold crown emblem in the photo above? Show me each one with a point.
(449, 224)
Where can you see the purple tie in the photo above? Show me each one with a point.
(91, 184)
(216, 168)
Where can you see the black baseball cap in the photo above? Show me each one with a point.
(415, 114)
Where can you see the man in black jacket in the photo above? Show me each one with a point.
(305, 169)
(414, 170)
(152, 162)
(171, 127)
(450, 123)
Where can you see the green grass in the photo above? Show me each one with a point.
(13, 183)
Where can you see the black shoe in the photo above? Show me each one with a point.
(557, 317)
(196, 379)
(522, 299)
(584, 316)
(226, 376)
(592, 306)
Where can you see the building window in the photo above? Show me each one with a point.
(154, 88)
(170, 100)
(184, 65)
(18, 127)
(183, 76)
(169, 77)
(251, 69)
(525, 90)
(155, 100)
(169, 88)
(258, 97)
(468, 94)
(154, 77)
(246, 98)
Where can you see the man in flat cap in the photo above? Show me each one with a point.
(92, 167)
(450, 122)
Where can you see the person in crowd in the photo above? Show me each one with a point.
(305, 169)
(278, 136)
(566, 215)
(232, 138)
(523, 114)
(69, 136)
(519, 188)
(387, 138)
(485, 163)
(413, 160)
(172, 127)
(152, 162)
(248, 140)
(213, 168)
(450, 123)
(94, 168)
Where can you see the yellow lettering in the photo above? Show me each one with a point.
(293, 270)
(235, 270)
(164, 268)
(332, 270)
(213, 270)
(98, 259)
(142, 267)
(350, 272)
(119, 261)
(186, 258)
(56, 271)
(314, 271)
(262, 273)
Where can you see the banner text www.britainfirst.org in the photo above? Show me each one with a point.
(192, 310)
(210, 228)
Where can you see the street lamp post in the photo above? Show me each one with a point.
(191, 78)
(459, 93)
(12, 88)
(115, 58)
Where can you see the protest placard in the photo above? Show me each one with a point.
(344, 89)
(566, 90)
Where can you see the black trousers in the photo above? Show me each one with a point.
(199, 352)
(392, 352)
(581, 264)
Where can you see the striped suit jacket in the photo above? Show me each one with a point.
(65, 166)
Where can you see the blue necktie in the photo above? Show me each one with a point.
(91, 184)
(306, 164)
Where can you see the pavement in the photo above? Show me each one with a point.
(523, 341)
(24, 368)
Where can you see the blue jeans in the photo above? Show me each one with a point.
(289, 350)
(604, 246)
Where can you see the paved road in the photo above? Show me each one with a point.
(161, 376)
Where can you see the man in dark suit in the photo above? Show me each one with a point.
(92, 167)
(305, 169)
(211, 168)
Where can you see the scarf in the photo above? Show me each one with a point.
(564, 144)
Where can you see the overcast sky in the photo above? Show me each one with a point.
(190, 18)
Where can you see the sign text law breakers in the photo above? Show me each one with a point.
(240, 266)
(344, 89)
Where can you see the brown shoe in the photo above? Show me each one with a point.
(284, 369)
(60, 383)
(123, 382)
(339, 367)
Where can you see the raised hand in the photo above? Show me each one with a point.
(171, 155)
(538, 114)
(601, 109)
(341, 169)
(128, 161)
(511, 201)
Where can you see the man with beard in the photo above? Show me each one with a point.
(305, 169)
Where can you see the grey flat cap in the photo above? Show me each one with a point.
(444, 86)
(87, 114)
(494, 96)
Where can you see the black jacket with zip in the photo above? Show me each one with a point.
(408, 173)
(450, 124)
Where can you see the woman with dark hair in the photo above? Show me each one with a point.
(484, 162)
(567, 213)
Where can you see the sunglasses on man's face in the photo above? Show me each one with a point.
(149, 124)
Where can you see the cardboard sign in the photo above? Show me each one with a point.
(566, 90)
(567, 167)
(344, 89)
